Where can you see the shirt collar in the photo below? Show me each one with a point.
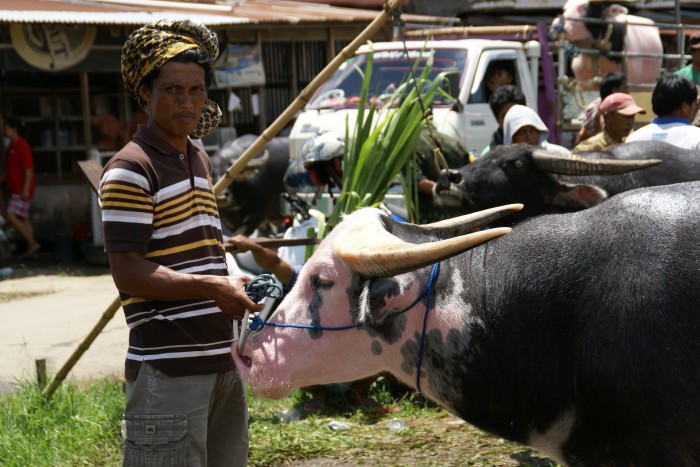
(150, 137)
(664, 120)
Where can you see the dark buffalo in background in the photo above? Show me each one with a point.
(252, 200)
(546, 183)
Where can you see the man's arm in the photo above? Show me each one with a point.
(139, 277)
(28, 175)
(265, 257)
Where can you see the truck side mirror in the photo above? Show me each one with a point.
(457, 106)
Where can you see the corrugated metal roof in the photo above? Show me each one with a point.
(134, 18)
(132, 12)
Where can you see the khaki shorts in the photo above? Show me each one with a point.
(185, 421)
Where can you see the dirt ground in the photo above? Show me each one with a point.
(47, 309)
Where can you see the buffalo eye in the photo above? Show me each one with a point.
(319, 283)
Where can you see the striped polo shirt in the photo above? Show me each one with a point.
(158, 203)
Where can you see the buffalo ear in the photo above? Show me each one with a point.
(380, 298)
(577, 197)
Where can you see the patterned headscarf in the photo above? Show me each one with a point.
(151, 46)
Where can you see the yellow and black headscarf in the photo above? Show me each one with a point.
(149, 47)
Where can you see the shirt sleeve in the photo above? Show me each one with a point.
(126, 201)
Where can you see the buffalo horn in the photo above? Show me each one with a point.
(548, 161)
(469, 222)
(369, 250)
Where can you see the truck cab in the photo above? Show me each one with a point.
(462, 112)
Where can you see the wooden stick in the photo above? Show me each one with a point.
(40, 364)
(277, 242)
(82, 347)
(477, 30)
(305, 95)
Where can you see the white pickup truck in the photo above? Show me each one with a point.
(465, 116)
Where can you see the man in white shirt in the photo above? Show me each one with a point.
(674, 101)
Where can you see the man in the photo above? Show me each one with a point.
(522, 125)
(166, 252)
(499, 73)
(618, 111)
(610, 83)
(19, 178)
(674, 101)
(500, 102)
(692, 70)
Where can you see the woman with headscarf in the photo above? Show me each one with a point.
(523, 125)
(185, 404)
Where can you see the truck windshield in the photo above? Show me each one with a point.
(391, 68)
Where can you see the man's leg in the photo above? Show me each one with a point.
(227, 443)
(165, 420)
(18, 217)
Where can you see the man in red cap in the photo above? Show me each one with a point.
(618, 111)
(692, 70)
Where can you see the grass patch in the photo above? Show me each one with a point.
(80, 426)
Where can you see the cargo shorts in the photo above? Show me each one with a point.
(185, 421)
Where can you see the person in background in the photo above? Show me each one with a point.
(499, 73)
(523, 125)
(500, 102)
(163, 237)
(674, 101)
(618, 111)
(19, 178)
(612, 82)
(692, 70)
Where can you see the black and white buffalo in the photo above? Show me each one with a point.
(575, 333)
(252, 200)
(546, 182)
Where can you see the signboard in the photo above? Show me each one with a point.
(52, 47)
(241, 66)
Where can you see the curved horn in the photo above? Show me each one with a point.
(368, 249)
(258, 162)
(469, 222)
(549, 161)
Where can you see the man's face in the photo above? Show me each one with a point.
(175, 100)
(695, 54)
(619, 126)
(498, 79)
(528, 135)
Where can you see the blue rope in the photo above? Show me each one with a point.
(257, 322)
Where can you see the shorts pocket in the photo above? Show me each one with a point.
(155, 440)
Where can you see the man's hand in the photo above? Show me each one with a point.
(229, 294)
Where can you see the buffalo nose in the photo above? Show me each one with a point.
(443, 181)
(455, 176)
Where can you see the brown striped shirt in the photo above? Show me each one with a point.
(159, 203)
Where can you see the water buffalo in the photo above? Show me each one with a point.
(253, 199)
(522, 174)
(576, 333)
(640, 37)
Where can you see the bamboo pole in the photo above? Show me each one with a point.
(82, 347)
(303, 97)
(465, 31)
(238, 165)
